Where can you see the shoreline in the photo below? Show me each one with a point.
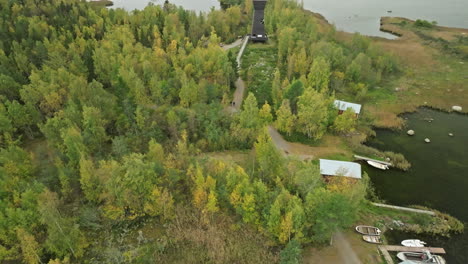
(101, 3)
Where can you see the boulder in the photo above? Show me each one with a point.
(410, 132)
(427, 140)
(457, 108)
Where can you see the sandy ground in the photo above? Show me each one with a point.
(347, 248)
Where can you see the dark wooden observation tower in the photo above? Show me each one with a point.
(258, 25)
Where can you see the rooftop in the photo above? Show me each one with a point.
(340, 168)
(343, 106)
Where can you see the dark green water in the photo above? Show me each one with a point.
(438, 177)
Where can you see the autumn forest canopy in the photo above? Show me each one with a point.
(109, 120)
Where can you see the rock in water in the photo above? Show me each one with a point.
(410, 132)
(451, 134)
(427, 140)
(457, 108)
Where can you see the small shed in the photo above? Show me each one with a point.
(343, 106)
(340, 168)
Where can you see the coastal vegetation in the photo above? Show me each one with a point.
(110, 125)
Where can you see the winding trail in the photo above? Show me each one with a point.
(240, 84)
(303, 152)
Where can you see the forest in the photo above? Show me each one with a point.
(109, 118)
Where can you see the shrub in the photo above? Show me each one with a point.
(424, 23)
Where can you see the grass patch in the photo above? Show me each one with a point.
(258, 67)
(301, 138)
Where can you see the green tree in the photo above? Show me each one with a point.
(94, 129)
(291, 254)
(293, 92)
(63, 235)
(90, 183)
(30, 249)
(265, 114)
(346, 122)
(249, 117)
(307, 178)
(155, 152)
(74, 145)
(312, 114)
(269, 159)
(328, 212)
(285, 120)
(319, 76)
(276, 90)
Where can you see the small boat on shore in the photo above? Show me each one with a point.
(413, 243)
(372, 239)
(421, 257)
(377, 165)
(368, 230)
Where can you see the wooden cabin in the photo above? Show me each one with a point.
(258, 25)
(331, 168)
(343, 106)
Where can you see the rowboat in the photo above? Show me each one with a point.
(368, 230)
(413, 243)
(372, 239)
(377, 165)
(421, 257)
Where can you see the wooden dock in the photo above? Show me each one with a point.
(433, 250)
(374, 160)
(386, 255)
(388, 259)
(413, 210)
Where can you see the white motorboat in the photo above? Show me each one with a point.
(413, 243)
(377, 165)
(421, 257)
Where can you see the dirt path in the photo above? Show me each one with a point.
(238, 96)
(305, 152)
(240, 84)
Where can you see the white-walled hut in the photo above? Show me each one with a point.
(340, 168)
(343, 106)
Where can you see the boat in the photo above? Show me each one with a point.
(413, 243)
(372, 239)
(368, 230)
(377, 165)
(421, 257)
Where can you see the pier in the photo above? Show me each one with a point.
(413, 210)
(385, 249)
(374, 160)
